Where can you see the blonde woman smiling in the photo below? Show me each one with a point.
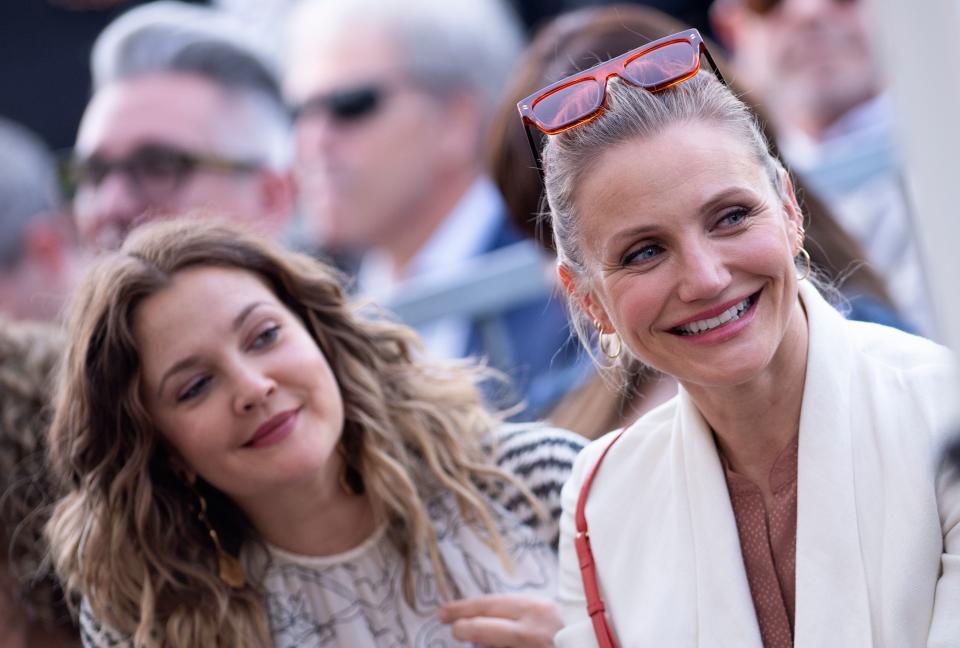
(790, 494)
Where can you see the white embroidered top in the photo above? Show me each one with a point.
(355, 599)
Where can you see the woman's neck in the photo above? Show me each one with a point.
(753, 422)
(315, 519)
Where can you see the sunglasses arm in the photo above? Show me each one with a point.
(534, 149)
(713, 64)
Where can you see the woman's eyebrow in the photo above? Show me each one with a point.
(192, 361)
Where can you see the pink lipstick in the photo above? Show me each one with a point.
(274, 430)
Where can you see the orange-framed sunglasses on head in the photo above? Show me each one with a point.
(577, 99)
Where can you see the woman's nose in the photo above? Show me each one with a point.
(253, 389)
(703, 274)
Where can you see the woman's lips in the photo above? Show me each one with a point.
(720, 332)
(274, 430)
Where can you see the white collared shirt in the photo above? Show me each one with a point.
(464, 233)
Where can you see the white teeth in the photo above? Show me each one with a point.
(732, 313)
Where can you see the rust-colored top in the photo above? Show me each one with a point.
(768, 542)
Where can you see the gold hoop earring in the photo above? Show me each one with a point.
(230, 570)
(608, 341)
(807, 262)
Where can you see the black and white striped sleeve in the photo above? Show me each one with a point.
(94, 634)
(541, 458)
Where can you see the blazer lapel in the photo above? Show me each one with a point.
(832, 603)
(725, 612)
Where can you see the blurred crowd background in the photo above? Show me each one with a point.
(338, 170)
(384, 137)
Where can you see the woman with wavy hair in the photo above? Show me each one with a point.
(249, 461)
(32, 609)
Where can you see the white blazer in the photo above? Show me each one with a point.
(878, 518)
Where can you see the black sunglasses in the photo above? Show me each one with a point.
(346, 105)
(154, 170)
(766, 6)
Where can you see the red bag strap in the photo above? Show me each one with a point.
(588, 569)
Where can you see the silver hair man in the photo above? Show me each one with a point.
(393, 103)
(188, 113)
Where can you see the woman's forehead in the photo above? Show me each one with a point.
(684, 164)
(197, 299)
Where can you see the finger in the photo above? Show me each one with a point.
(507, 606)
(493, 632)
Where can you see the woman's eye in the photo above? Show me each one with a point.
(734, 217)
(266, 337)
(642, 254)
(193, 390)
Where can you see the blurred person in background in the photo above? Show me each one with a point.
(47, 45)
(37, 249)
(33, 612)
(576, 41)
(393, 102)
(812, 66)
(186, 114)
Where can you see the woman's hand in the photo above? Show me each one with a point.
(504, 620)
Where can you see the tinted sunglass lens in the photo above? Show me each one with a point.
(663, 66)
(568, 105)
(353, 104)
(761, 6)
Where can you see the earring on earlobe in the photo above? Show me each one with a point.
(229, 568)
(807, 262)
(608, 342)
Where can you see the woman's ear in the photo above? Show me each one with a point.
(791, 208)
(586, 299)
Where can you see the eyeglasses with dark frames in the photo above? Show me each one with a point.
(154, 171)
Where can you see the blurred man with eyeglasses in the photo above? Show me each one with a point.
(186, 115)
(813, 65)
(392, 103)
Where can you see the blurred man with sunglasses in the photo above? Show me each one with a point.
(392, 104)
(186, 115)
(812, 65)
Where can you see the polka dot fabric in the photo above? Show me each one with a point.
(768, 543)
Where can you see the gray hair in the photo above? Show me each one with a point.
(449, 45)
(632, 113)
(174, 37)
(28, 187)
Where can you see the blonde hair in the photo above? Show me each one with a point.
(125, 536)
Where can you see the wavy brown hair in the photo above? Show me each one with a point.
(126, 537)
(29, 352)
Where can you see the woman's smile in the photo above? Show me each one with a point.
(240, 373)
(719, 324)
(275, 429)
(692, 250)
